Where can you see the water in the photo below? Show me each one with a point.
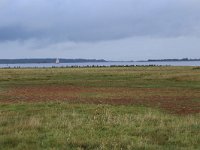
(156, 63)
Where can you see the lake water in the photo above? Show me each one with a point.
(156, 63)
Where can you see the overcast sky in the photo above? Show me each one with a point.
(107, 29)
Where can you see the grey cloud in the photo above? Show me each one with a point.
(98, 20)
(123, 49)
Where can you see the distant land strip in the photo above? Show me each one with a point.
(62, 60)
(183, 59)
(47, 60)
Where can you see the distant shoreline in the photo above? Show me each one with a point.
(53, 60)
(48, 60)
(183, 59)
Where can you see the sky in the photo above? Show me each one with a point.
(100, 29)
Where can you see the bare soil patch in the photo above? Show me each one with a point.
(179, 101)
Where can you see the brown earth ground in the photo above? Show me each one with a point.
(177, 101)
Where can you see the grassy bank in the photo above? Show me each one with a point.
(155, 77)
(174, 89)
(100, 108)
(73, 126)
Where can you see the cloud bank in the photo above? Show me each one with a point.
(110, 29)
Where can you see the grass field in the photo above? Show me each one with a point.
(100, 108)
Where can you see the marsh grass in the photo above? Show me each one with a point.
(79, 126)
(64, 125)
(160, 77)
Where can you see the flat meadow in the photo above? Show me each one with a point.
(100, 108)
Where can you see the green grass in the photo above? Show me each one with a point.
(77, 126)
(158, 122)
(100, 77)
